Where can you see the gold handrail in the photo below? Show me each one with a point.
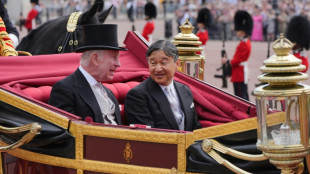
(209, 144)
(33, 128)
(23, 53)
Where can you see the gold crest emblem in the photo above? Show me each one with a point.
(128, 153)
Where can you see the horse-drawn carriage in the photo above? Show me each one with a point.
(39, 138)
(63, 143)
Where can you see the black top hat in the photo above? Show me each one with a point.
(150, 10)
(99, 37)
(205, 17)
(298, 31)
(35, 1)
(243, 21)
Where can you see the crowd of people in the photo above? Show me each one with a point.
(270, 16)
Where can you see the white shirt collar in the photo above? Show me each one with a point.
(90, 79)
(169, 86)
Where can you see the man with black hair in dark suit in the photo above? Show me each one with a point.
(82, 92)
(159, 101)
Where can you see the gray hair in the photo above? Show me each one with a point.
(168, 48)
(85, 58)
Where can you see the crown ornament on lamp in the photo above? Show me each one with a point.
(283, 98)
(188, 44)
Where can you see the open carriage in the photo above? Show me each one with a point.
(63, 143)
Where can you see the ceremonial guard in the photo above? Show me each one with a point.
(150, 13)
(298, 32)
(204, 20)
(239, 70)
(32, 14)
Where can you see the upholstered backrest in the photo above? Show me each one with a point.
(120, 91)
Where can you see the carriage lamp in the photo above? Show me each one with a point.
(285, 144)
(188, 45)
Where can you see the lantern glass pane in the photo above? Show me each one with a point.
(278, 121)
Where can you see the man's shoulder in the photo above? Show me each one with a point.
(140, 87)
(178, 84)
(67, 81)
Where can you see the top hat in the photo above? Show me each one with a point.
(99, 37)
(150, 10)
(35, 1)
(205, 17)
(243, 21)
(298, 31)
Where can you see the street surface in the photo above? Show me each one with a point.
(213, 50)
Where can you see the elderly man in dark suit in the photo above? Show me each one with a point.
(82, 93)
(159, 101)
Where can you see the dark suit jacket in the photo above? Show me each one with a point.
(147, 104)
(73, 94)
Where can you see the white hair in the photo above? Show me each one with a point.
(85, 58)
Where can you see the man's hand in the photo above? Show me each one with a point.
(224, 60)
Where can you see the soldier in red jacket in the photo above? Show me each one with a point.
(298, 32)
(150, 13)
(32, 14)
(204, 20)
(239, 70)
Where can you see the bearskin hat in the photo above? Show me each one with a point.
(243, 21)
(150, 10)
(205, 17)
(298, 31)
(35, 1)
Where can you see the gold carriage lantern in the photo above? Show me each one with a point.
(188, 44)
(285, 144)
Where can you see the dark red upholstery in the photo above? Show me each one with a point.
(41, 93)
(120, 90)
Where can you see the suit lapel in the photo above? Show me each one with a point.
(163, 103)
(185, 103)
(87, 95)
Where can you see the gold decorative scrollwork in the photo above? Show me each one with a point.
(209, 144)
(72, 21)
(33, 128)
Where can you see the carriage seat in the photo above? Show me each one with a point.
(120, 90)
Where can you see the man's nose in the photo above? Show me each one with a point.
(117, 62)
(158, 67)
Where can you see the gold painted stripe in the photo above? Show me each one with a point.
(128, 134)
(78, 131)
(81, 165)
(34, 109)
(232, 127)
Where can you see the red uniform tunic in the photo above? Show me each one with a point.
(242, 54)
(300, 54)
(203, 37)
(31, 15)
(148, 29)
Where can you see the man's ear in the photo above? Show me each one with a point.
(178, 63)
(94, 58)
